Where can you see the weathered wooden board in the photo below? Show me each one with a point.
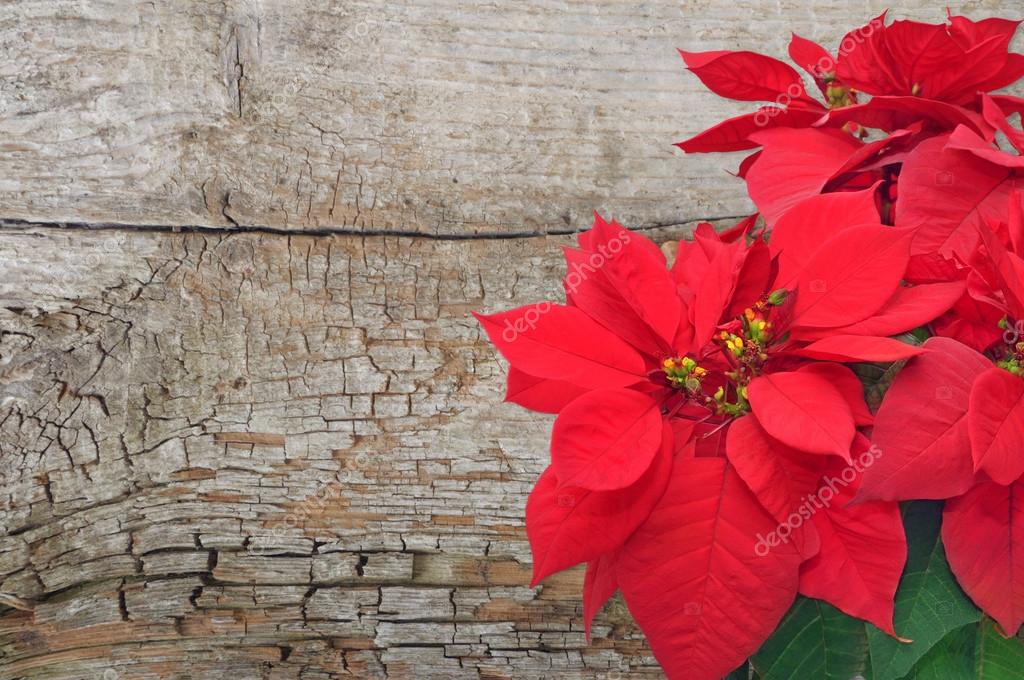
(282, 453)
(429, 116)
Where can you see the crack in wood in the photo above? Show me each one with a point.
(340, 231)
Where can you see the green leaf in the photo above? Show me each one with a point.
(877, 379)
(929, 603)
(814, 640)
(741, 673)
(996, 657)
(951, 659)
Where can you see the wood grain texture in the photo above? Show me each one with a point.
(273, 445)
(425, 116)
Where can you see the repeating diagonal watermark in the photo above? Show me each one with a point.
(819, 500)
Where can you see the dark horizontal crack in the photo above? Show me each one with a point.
(332, 231)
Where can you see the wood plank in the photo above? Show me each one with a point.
(423, 116)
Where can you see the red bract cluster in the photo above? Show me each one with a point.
(713, 455)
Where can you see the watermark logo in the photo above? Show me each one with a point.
(821, 499)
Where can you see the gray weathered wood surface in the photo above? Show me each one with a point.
(247, 428)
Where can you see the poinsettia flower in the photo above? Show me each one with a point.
(716, 393)
(654, 371)
(748, 76)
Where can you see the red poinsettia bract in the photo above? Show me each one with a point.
(701, 408)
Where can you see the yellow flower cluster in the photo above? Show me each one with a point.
(683, 372)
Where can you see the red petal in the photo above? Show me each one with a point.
(715, 291)
(708, 440)
(778, 475)
(605, 439)
(609, 235)
(971, 322)
(863, 550)
(628, 307)
(539, 394)
(734, 134)
(812, 222)
(752, 280)
(995, 117)
(740, 230)
(693, 578)
(983, 532)
(746, 76)
(854, 348)
(811, 57)
(795, 165)
(746, 164)
(896, 113)
(690, 264)
(921, 427)
(848, 384)
(964, 139)
(908, 308)
(995, 422)
(1009, 103)
(987, 64)
(851, 276)
(621, 275)
(804, 411)
(1007, 273)
(1015, 223)
(1012, 71)
(599, 585)
(947, 195)
(859, 62)
(568, 525)
(933, 268)
(562, 343)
